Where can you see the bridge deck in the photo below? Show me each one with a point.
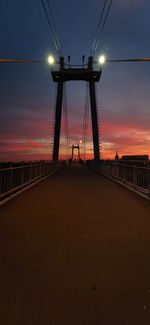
(75, 250)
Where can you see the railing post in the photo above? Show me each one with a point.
(124, 172)
(29, 174)
(22, 174)
(148, 192)
(134, 175)
(11, 180)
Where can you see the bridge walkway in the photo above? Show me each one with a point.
(75, 250)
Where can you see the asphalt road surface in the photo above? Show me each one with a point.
(75, 250)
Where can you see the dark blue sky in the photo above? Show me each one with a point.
(27, 93)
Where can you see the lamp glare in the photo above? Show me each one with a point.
(50, 60)
(102, 59)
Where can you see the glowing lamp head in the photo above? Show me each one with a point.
(51, 60)
(102, 59)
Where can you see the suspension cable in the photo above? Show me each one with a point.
(51, 28)
(85, 121)
(54, 25)
(66, 127)
(101, 31)
(101, 24)
(98, 26)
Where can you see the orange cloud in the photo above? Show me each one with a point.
(31, 139)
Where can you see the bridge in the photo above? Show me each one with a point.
(75, 250)
(74, 234)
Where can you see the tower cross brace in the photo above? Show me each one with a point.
(67, 74)
(75, 147)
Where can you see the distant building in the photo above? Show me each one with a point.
(116, 156)
(135, 158)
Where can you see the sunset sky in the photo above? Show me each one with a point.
(27, 92)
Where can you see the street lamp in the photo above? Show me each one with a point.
(51, 60)
(102, 59)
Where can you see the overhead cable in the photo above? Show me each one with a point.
(20, 61)
(129, 60)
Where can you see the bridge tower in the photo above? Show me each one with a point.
(75, 147)
(87, 74)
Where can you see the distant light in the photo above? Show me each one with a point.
(80, 141)
(51, 59)
(102, 59)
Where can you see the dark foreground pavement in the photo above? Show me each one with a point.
(75, 250)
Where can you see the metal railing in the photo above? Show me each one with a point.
(14, 178)
(133, 175)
